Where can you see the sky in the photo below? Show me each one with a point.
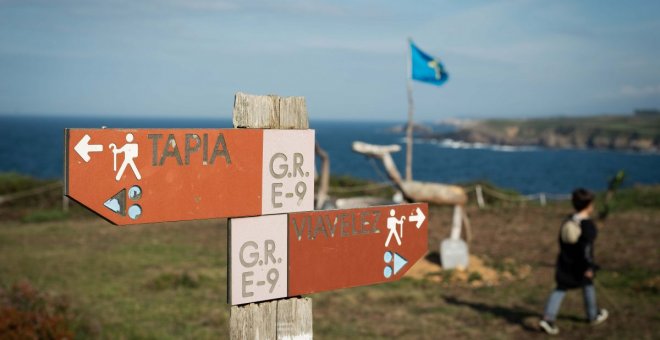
(187, 58)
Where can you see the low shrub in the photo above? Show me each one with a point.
(25, 313)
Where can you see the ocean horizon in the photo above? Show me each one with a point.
(34, 145)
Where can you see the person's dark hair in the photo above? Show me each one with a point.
(582, 198)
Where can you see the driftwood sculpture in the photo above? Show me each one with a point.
(412, 190)
(416, 191)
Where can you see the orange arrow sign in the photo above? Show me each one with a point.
(131, 176)
(300, 253)
(346, 248)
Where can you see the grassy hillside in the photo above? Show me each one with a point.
(607, 125)
(604, 132)
(168, 281)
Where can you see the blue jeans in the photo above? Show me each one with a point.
(554, 302)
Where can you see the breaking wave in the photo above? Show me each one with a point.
(456, 144)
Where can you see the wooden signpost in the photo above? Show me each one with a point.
(282, 318)
(300, 253)
(131, 176)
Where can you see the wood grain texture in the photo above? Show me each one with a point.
(293, 113)
(253, 321)
(434, 193)
(269, 112)
(285, 318)
(294, 318)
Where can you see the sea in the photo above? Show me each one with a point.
(34, 145)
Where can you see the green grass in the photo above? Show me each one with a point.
(632, 280)
(489, 199)
(156, 281)
(506, 265)
(641, 197)
(347, 186)
(168, 281)
(11, 182)
(474, 276)
(46, 215)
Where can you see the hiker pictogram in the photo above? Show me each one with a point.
(392, 222)
(130, 151)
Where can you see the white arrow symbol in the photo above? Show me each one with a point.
(419, 218)
(399, 262)
(83, 148)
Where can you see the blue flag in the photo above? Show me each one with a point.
(426, 68)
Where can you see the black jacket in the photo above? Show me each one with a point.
(575, 259)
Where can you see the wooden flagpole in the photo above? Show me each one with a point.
(409, 127)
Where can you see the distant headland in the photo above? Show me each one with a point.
(639, 131)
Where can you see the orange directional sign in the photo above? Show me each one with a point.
(131, 176)
(323, 250)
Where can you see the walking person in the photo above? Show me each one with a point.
(130, 151)
(575, 264)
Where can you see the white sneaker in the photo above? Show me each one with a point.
(601, 317)
(549, 327)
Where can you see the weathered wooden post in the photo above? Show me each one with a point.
(65, 204)
(285, 318)
(480, 197)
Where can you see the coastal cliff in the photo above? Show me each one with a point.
(620, 132)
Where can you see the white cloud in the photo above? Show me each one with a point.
(282, 6)
(205, 5)
(384, 46)
(640, 91)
